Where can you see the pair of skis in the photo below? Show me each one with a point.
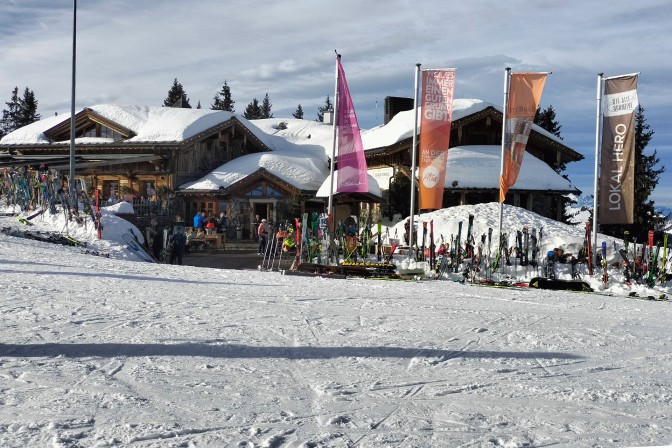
(133, 245)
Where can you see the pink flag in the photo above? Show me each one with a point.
(352, 172)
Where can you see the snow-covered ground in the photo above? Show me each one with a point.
(105, 352)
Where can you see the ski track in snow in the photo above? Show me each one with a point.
(108, 353)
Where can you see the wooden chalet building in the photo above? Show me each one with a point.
(146, 153)
(475, 124)
(193, 160)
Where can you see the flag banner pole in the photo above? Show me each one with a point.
(505, 136)
(617, 151)
(598, 123)
(525, 91)
(330, 207)
(413, 161)
(71, 183)
(437, 90)
(352, 175)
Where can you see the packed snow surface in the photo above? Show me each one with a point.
(110, 352)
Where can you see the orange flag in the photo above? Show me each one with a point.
(437, 114)
(524, 97)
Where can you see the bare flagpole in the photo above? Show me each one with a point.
(507, 82)
(414, 151)
(73, 191)
(598, 133)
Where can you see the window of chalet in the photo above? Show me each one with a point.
(476, 134)
(272, 192)
(264, 190)
(450, 199)
(113, 189)
(200, 206)
(481, 197)
(99, 131)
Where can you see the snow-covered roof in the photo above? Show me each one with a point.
(325, 188)
(34, 132)
(150, 124)
(401, 126)
(303, 168)
(398, 129)
(299, 131)
(167, 124)
(300, 148)
(478, 167)
(473, 167)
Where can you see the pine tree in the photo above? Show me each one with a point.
(266, 107)
(647, 175)
(28, 113)
(222, 100)
(546, 119)
(20, 111)
(298, 113)
(177, 97)
(253, 110)
(10, 116)
(328, 107)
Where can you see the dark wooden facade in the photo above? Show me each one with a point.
(257, 196)
(107, 156)
(485, 128)
(118, 166)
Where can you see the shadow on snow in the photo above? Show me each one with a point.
(131, 277)
(105, 350)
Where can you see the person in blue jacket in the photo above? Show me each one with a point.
(199, 221)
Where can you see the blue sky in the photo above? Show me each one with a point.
(129, 52)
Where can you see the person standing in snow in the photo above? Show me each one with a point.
(156, 232)
(262, 233)
(179, 241)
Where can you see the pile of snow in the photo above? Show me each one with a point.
(554, 234)
(112, 242)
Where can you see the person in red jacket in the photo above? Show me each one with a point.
(210, 224)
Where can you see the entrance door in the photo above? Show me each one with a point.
(261, 210)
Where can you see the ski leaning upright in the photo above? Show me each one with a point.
(134, 246)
